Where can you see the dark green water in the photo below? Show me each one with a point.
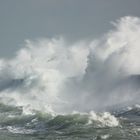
(122, 125)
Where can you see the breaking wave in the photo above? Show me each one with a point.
(53, 76)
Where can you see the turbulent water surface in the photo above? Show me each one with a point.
(16, 125)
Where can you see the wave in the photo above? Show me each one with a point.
(96, 125)
(53, 76)
(13, 120)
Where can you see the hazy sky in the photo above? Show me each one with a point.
(73, 19)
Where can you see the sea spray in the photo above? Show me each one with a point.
(50, 75)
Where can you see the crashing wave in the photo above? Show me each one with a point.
(50, 75)
(104, 119)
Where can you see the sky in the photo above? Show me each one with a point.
(73, 19)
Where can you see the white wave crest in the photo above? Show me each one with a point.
(104, 119)
(19, 130)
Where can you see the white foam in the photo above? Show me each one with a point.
(106, 136)
(20, 130)
(104, 119)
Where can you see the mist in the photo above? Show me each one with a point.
(55, 76)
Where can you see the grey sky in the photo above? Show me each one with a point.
(74, 19)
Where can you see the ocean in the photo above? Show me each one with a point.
(120, 125)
